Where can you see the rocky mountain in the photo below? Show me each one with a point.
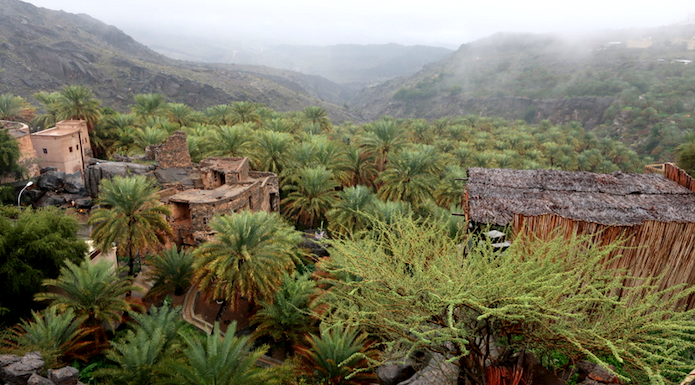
(535, 77)
(43, 50)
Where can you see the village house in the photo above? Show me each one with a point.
(228, 186)
(65, 146)
(653, 214)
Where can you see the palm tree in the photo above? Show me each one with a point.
(246, 257)
(351, 211)
(337, 356)
(317, 115)
(230, 141)
(331, 154)
(288, 318)
(272, 151)
(213, 360)
(148, 136)
(94, 291)
(132, 217)
(449, 192)
(182, 114)
(220, 115)
(140, 353)
(78, 102)
(245, 112)
(311, 194)
(148, 105)
(49, 103)
(409, 177)
(359, 166)
(56, 335)
(137, 357)
(15, 108)
(383, 137)
(171, 271)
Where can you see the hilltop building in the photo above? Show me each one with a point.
(65, 146)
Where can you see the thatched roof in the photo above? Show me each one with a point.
(495, 195)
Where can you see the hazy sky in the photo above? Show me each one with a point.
(446, 23)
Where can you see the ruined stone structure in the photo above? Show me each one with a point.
(171, 154)
(196, 193)
(228, 186)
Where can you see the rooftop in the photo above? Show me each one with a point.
(495, 195)
(208, 196)
(66, 127)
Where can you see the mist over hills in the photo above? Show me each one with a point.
(351, 65)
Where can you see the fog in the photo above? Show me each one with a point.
(442, 23)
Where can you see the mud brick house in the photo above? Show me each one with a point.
(653, 214)
(195, 192)
(65, 146)
(228, 186)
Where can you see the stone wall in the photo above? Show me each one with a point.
(173, 153)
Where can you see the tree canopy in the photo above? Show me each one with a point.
(33, 248)
(415, 289)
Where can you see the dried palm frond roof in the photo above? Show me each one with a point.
(495, 195)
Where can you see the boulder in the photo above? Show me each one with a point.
(437, 371)
(107, 170)
(64, 376)
(84, 203)
(35, 379)
(51, 199)
(51, 181)
(18, 373)
(394, 373)
(72, 184)
(7, 359)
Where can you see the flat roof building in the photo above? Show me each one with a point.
(65, 146)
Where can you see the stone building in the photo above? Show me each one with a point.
(65, 146)
(195, 192)
(228, 186)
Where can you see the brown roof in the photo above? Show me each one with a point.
(495, 195)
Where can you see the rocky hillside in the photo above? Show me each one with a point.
(43, 50)
(535, 77)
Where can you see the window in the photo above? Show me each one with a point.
(45, 151)
(70, 148)
(77, 147)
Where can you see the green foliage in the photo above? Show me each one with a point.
(288, 317)
(92, 290)
(15, 108)
(132, 218)
(56, 335)
(140, 353)
(686, 156)
(171, 271)
(247, 256)
(311, 192)
(9, 156)
(213, 359)
(77, 102)
(337, 356)
(418, 290)
(32, 249)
